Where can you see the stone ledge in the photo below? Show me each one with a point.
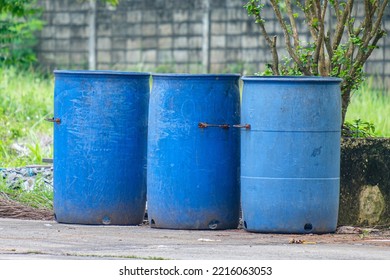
(365, 182)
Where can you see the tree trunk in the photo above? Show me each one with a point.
(345, 99)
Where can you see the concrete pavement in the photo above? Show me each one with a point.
(27, 239)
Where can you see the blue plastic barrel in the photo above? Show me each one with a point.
(193, 152)
(290, 158)
(100, 135)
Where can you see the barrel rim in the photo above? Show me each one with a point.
(101, 72)
(188, 75)
(298, 79)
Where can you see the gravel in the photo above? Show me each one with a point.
(28, 177)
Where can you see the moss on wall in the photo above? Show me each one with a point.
(365, 182)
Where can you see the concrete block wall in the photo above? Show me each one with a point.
(63, 41)
(167, 36)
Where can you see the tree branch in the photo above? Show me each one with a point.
(293, 24)
(363, 23)
(349, 55)
(309, 18)
(319, 42)
(275, 57)
(373, 45)
(368, 20)
(328, 45)
(271, 43)
(336, 6)
(341, 24)
(380, 15)
(290, 50)
(371, 32)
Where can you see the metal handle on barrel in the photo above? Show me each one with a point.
(224, 126)
(204, 125)
(54, 120)
(246, 126)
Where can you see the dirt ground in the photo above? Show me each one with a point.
(347, 235)
(12, 209)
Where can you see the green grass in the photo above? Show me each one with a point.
(39, 197)
(26, 99)
(371, 106)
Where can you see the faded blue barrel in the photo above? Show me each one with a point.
(100, 146)
(290, 158)
(193, 166)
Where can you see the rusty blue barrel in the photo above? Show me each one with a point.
(290, 156)
(100, 130)
(193, 151)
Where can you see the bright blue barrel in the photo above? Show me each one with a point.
(193, 171)
(100, 146)
(290, 158)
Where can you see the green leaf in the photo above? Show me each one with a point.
(315, 22)
(112, 2)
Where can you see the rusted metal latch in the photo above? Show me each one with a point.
(204, 125)
(224, 126)
(246, 126)
(55, 120)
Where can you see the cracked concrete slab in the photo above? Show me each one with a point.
(28, 239)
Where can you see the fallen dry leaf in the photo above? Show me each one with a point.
(299, 241)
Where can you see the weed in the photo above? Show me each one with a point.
(358, 128)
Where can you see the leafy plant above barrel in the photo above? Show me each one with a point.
(358, 128)
(341, 37)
